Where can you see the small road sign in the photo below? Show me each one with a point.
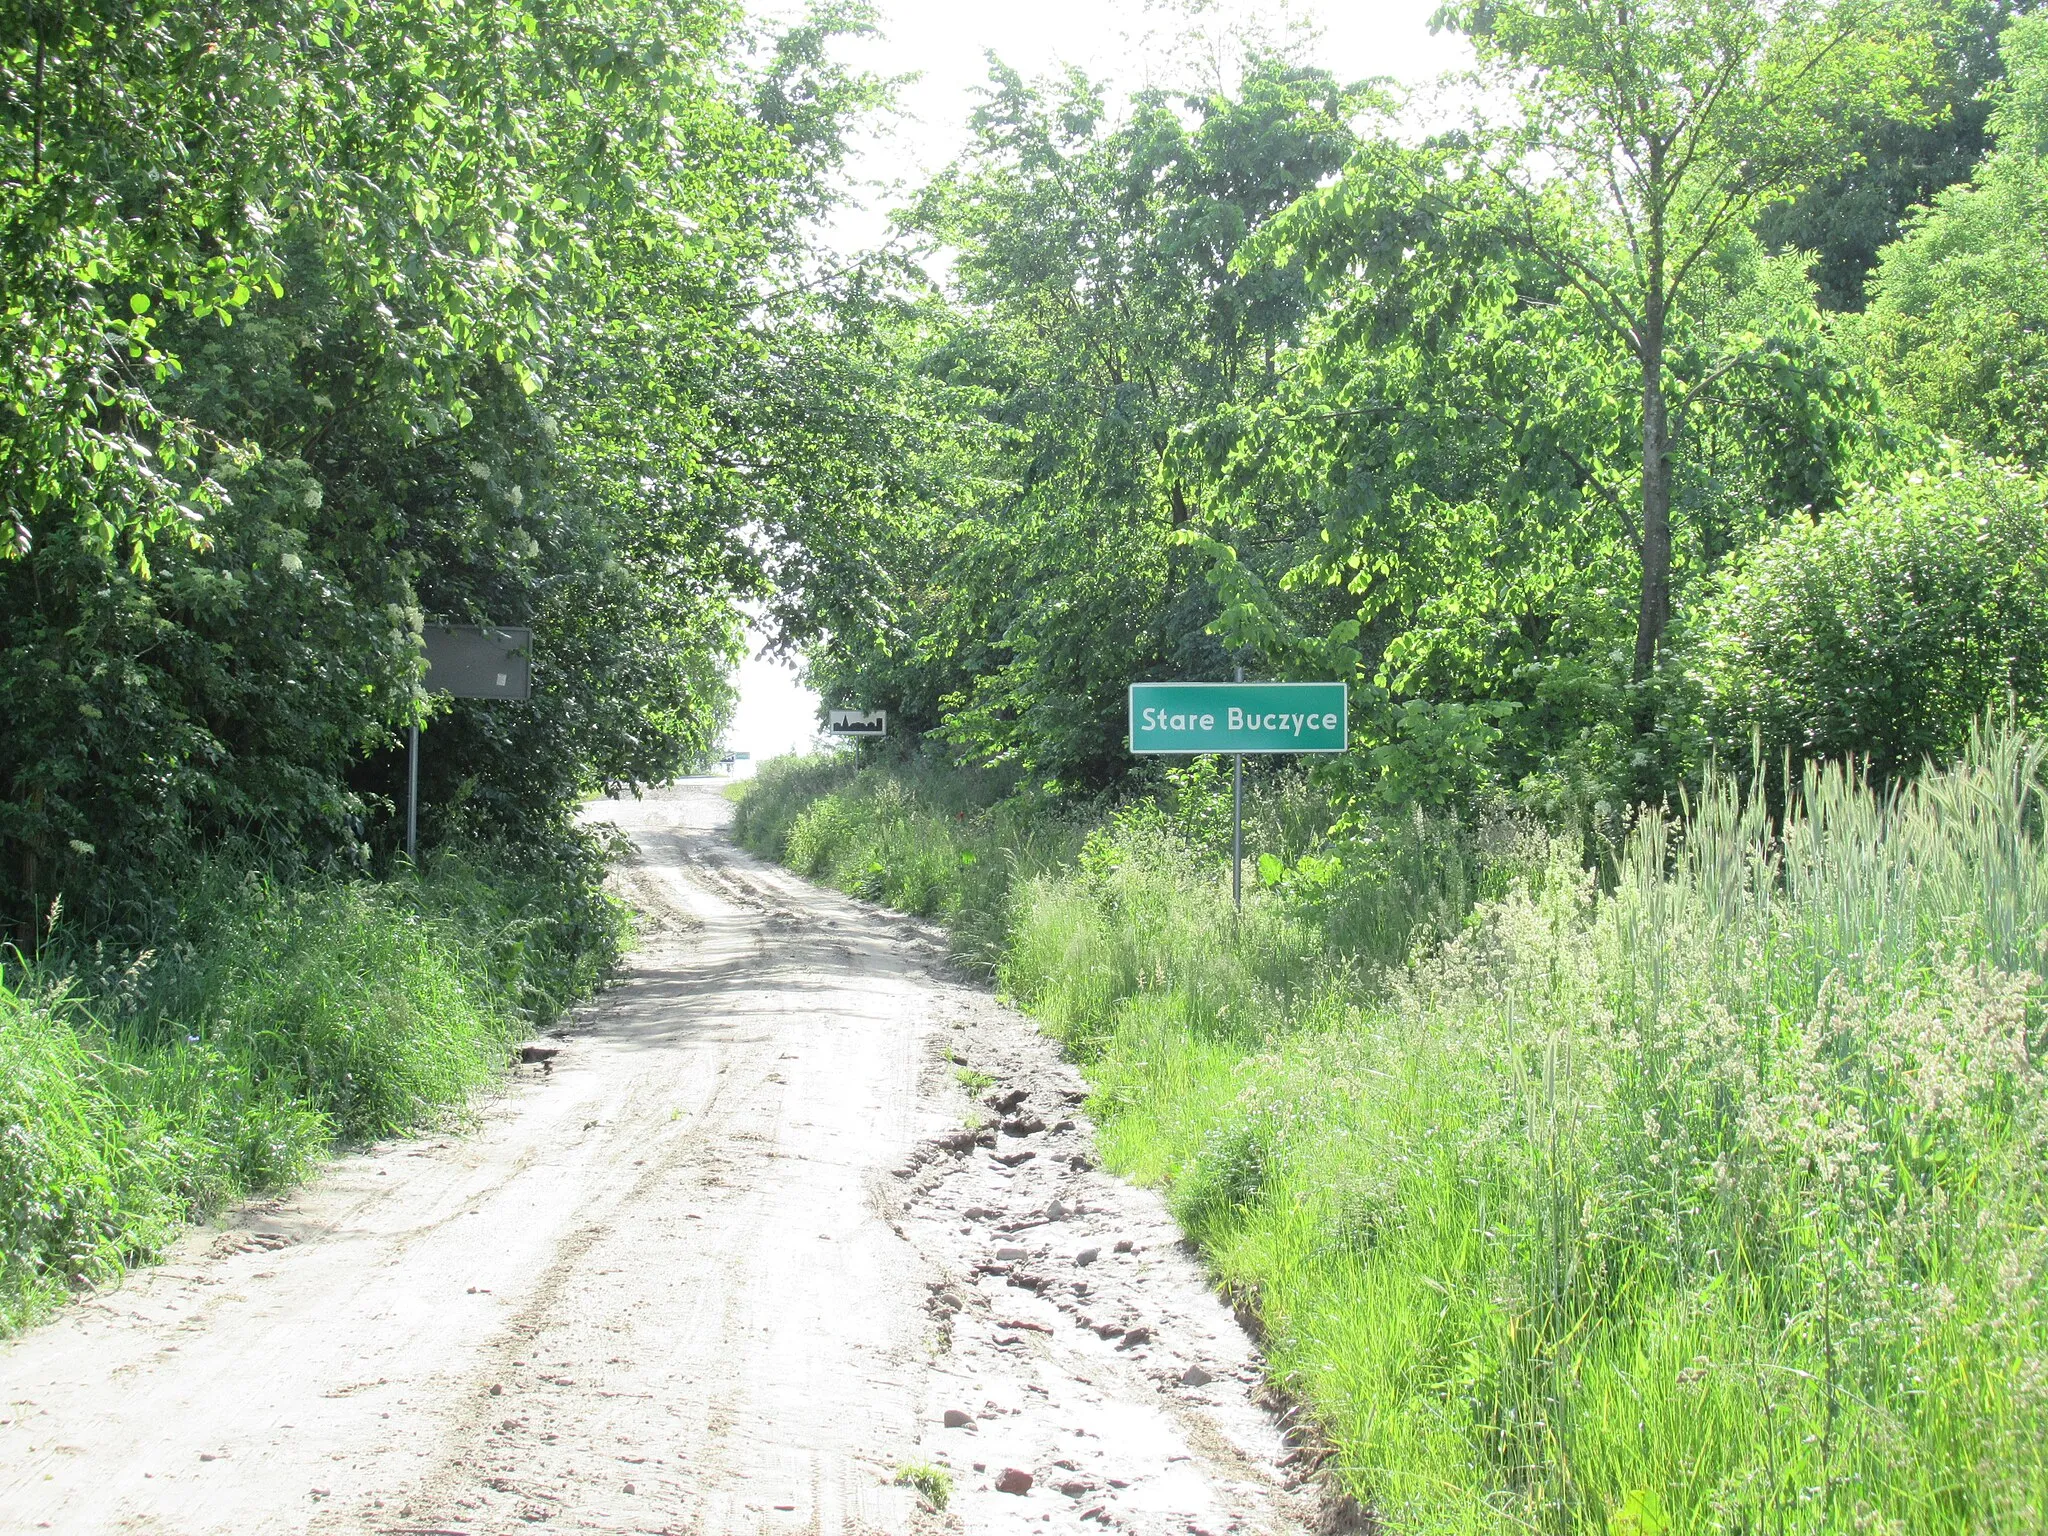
(479, 661)
(466, 661)
(1239, 717)
(859, 722)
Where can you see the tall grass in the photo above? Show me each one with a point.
(940, 842)
(1716, 1200)
(142, 1089)
(958, 844)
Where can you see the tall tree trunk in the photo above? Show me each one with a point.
(1654, 612)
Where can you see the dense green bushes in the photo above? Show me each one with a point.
(264, 1024)
(1712, 1201)
(1884, 630)
(326, 323)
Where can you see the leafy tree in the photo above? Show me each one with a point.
(1957, 329)
(441, 357)
(1846, 218)
(1672, 123)
(1436, 495)
(1096, 307)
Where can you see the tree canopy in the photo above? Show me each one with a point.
(1472, 419)
(325, 321)
(1957, 328)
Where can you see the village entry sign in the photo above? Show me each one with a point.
(1239, 717)
(859, 722)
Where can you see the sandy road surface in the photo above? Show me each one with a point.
(726, 1268)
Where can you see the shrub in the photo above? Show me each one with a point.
(1884, 631)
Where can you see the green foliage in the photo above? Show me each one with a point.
(934, 1484)
(1226, 1177)
(324, 323)
(450, 164)
(1957, 328)
(917, 836)
(1094, 306)
(1852, 214)
(1466, 421)
(1884, 631)
(263, 1024)
(1681, 121)
(1437, 493)
(76, 1194)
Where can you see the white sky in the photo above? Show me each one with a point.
(1126, 42)
(776, 712)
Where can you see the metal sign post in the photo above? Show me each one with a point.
(465, 661)
(412, 792)
(1237, 823)
(1237, 718)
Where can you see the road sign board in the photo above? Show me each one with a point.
(859, 722)
(1239, 717)
(479, 661)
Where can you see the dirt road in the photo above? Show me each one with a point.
(729, 1266)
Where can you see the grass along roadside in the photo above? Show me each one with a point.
(1716, 1201)
(267, 1024)
(928, 840)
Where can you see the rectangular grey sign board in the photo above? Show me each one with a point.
(860, 722)
(479, 661)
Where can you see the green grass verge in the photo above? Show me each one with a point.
(1716, 1200)
(265, 1025)
(937, 842)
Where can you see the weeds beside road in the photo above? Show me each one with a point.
(1713, 1201)
(266, 1023)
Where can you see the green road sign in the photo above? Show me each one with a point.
(1239, 717)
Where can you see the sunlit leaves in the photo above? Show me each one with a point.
(1096, 308)
(1958, 324)
(161, 156)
